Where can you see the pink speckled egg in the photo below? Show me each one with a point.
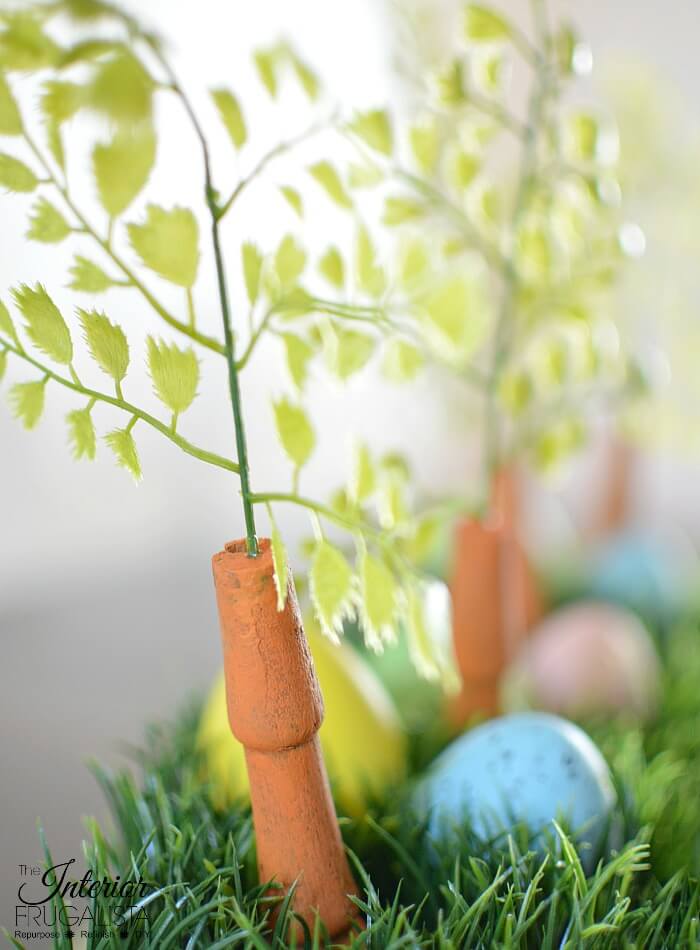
(583, 659)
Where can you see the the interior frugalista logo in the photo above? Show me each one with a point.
(51, 903)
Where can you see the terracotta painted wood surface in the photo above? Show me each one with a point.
(496, 600)
(616, 502)
(275, 709)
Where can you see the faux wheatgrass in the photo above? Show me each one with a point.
(112, 67)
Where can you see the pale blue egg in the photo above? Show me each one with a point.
(528, 767)
(642, 573)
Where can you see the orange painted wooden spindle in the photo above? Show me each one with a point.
(275, 709)
(495, 601)
(615, 505)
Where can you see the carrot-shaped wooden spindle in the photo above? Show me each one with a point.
(614, 506)
(275, 710)
(495, 601)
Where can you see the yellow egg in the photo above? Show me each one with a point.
(363, 742)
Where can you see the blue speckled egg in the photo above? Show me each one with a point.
(528, 767)
(638, 571)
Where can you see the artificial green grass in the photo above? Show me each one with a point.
(465, 893)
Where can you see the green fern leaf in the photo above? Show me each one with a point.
(463, 169)
(88, 10)
(367, 175)
(23, 44)
(298, 353)
(296, 303)
(402, 361)
(175, 374)
(10, 119)
(231, 116)
(420, 641)
(374, 128)
(391, 491)
(425, 535)
(425, 144)
(3, 363)
(90, 51)
(414, 263)
(281, 566)
(15, 175)
(6, 325)
(61, 100)
(168, 243)
(582, 136)
(46, 224)
(347, 351)
(295, 432)
(45, 326)
(54, 139)
(252, 269)
(370, 276)
(399, 210)
(331, 588)
(81, 434)
(482, 25)
(332, 267)
(379, 601)
(121, 442)
(363, 480)
(266, 65)
(107, 343)
(458, 313)
(28, 402)
(122, 89)
(88, 277)
(306, 76)
(123, 167)
(293, 198)
(290, 261)
(328, 178)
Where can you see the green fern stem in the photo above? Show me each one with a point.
(493, 449)
(275, 152)
(191, 314)
(216, 212)
(342, 520)
(375, 317)
(254, 338)
(135, 412)
(357, 526)
(234, 386)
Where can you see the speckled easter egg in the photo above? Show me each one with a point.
(585, 658)
(529, 767)
(363, 741)
(648, 575)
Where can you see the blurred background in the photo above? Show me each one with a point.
(106, 602)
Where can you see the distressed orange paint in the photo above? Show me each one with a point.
(495, 601)
(275, 709)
